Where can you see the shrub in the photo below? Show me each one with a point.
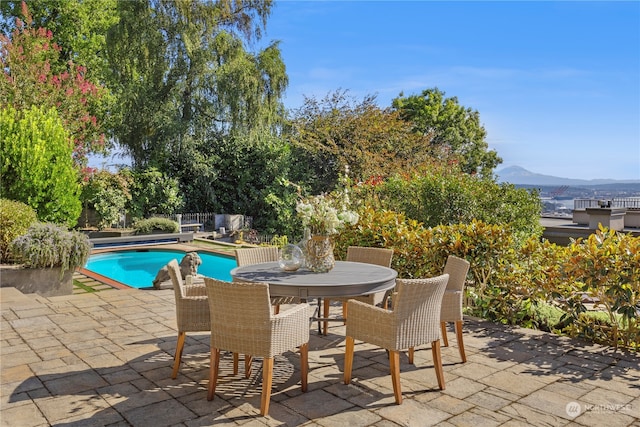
(109, 194)
(152, 192)
(547, 317)
(149, 225)
(605, 266)
(15, 220)
(36, 164)
(533, 284)
(48, 245)
(443, 195)
(388, 229)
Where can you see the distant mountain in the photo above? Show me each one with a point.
(520, 176)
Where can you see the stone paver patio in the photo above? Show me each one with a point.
(104, 359)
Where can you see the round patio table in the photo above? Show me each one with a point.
(346, 279)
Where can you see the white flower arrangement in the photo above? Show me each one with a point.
(321, 216)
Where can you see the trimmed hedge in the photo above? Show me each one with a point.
(150, 225)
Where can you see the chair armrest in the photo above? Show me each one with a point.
(284, 300)
(290, 328)
(370, 323)
(298, 311)
(451, 308)
(197, 290)
(195, 301)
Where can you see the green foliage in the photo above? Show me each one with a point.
(505, 204)
(605, 266)
(36, 164)
(455, 130)
(279, 241)
(109, 194)
(533, 284)
(49, 245)
(443, 195)
(252, 179)
(80, 27)
(34, 75)
(15, 219)
(149, 225)
(547, 317)
(181, 73)
(152, 193)
(387, 229)
(329, 134)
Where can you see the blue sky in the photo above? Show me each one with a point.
(557, 84)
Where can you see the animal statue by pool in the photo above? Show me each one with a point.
(188, 266)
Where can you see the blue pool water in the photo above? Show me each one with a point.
(138, 268)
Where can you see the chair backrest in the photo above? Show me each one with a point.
(240, 316)
(377, 256)
(176, 278)
(248, 256)
(416, 310)
(457, 269)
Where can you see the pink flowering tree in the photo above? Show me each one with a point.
(34, 75)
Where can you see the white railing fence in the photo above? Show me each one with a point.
(208, 221)
(616, 202)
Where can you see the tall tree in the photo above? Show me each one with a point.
(455, 130)
(339, 131)
(182, 74)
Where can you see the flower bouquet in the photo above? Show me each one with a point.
(323, 216)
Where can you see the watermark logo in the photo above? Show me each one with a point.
(573, 409)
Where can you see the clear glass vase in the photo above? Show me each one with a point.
(291, 258)
(319, 255)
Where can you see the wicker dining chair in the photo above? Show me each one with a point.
(241, 322)
(377, 256)
(457, 269)
(258, 255)
(414, 321)
(192, 310)
(248, 256)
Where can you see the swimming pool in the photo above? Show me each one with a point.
(138, 268)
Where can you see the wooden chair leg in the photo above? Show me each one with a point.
(411, 351)
(460, 342)
(443, 329)
(267, 379)
(276, 309)
(178, 357)
(325, 314)
(344, 312)
(304, 365)
(236, 361)
(248, 359)
(348, 359)
(437, 363)
(213, 373)
(394, 363)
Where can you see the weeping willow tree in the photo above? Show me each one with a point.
(185, 78)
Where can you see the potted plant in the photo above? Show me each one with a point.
(45, 258)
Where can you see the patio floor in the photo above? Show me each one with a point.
(104, 359)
